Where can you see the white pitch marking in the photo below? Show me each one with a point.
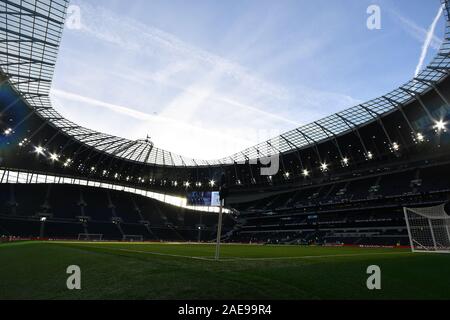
(154, 253)
(315, 257)
(165, 254)
(258, 259)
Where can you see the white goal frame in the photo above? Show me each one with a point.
(428, 229)
(133, 237)
(90, 237)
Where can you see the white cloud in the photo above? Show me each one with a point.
(130, 112)
(196, 90)
(417, 32)
(428, 41)
(224, 143)
(191, 101)
(142, 38)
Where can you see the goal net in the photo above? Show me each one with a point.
(133, 238)
(90, 237)
(428, 229)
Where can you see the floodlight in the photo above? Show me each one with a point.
(54, 157)
(305, 173)
(67, 163)
(420, 137)
(395, 146)
(39, 150)
(345, 161)
(324, 166)
(440, 125)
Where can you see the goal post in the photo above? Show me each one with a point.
(428, 229)
(133, 238)
(90, 237)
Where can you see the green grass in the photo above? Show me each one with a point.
(37, 270)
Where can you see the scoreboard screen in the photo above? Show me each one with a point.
(207, 199)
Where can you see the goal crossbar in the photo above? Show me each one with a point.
(90, 236)
(133, 237)
(428, 229)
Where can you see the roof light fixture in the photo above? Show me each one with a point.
(39, 150)
(440, 126)
(395, 146)
(420, 137)
(54, 157)
(345, 161)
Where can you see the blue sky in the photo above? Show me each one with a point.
(208, 78)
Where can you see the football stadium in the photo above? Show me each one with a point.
(350, 206)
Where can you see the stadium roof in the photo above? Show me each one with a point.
(30, 34)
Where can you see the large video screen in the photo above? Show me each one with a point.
(208, 198)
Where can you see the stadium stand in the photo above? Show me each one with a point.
(66, 208)
(343, 179)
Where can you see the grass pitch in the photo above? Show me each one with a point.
(37, 270)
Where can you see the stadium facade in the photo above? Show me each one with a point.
(344, 178)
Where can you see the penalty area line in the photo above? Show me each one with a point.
(315, 257)
(231, 259)
(154, 253)
(165, 254)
